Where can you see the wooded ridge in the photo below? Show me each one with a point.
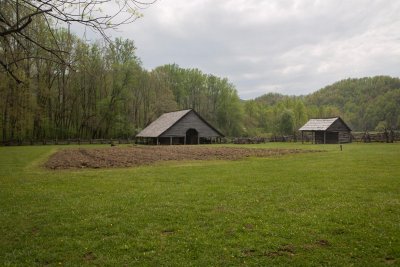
(370, 103)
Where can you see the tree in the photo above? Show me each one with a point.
(286, 124)
(382, 126)
(300, 115)
(17, 33)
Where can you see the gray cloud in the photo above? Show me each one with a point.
(291, 46)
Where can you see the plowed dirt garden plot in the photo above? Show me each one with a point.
(135, 156)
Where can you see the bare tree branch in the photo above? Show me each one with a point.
(27, 19)
(7, 69)
(16, 16)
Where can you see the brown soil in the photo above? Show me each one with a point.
(145, 155)
(286, 250)
(89, 256)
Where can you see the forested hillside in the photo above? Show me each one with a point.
(371, 103)
(101, 90)
(365, 103)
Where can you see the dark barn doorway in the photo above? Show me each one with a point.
(192, 137)
(332, 138)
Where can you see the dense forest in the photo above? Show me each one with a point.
(101, 90)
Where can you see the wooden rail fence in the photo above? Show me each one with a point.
(383, 137)
(67, 142)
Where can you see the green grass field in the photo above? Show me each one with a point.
(334, 208)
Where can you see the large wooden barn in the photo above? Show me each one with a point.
(179, 127)
(327, 131)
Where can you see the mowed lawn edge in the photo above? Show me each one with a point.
(332, 208)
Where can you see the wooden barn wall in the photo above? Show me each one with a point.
(319, 137)
(191, 120)
(344, 137)
(338, 126)
(332, 137)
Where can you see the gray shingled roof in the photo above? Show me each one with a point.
(318, 124)
(163, 123)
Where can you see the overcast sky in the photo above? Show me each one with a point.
(286, 46)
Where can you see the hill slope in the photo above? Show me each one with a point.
(365, 104)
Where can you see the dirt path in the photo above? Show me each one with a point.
(145, 155)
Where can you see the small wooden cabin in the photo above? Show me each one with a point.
(327, 131)
(179, 127)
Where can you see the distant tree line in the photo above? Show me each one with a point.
(101, 90)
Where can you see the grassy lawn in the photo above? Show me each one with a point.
(334, 208)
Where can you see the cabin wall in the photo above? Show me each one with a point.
(344, 137)
(191, 121)
(332, 137)
(329, 138)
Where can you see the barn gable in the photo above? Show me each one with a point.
(179, 127)
(339, 126)
(192, 121)
(163, 123)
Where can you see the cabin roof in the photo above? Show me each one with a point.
(321, 124)
(163, 123)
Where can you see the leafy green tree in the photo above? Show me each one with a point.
(286, 122)
(300, 114)
(381, 126)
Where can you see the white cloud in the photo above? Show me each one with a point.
(287, 46)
